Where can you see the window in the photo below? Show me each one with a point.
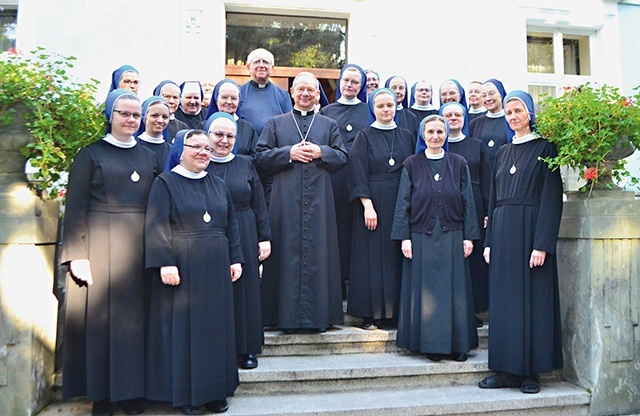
(8, 20)
(555, 59)
(295, 41)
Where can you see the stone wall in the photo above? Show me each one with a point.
(28, 308)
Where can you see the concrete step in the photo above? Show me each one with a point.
(556, 398)
(343, 339)
(350, 372)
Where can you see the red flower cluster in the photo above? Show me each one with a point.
(590, 174)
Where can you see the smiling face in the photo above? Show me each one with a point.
(125, 119)
(261, 66)
(171, 94)
(518, 117)
(492, 97)
(228, 98)
(372, 82)
(305, 91)
(398, 86)
(449, 93)
(222, 136)
(196, 159)
(384, 108)
(434, 134)
(156, 120)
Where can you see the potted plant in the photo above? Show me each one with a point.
(61, 114)
(594, 128)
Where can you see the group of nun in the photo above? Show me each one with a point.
(437, 218)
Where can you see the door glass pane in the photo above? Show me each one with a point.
(540, 91)
(8, 19)
(295, 41)
(540, 53)
(575, 50)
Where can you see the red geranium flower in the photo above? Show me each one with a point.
(590, 174)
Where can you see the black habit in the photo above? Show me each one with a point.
(103, 355)
(435, 209)
(480, 170)
(351, 119)
(247, 194)
(301, 284)
(492, 132)
(376, 260)
(191, 348)
(525, 209)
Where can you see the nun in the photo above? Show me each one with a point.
(226, 98)
(190, 109)
(125, 77)
(435, 220)
(154, 123)
(109, 183)
(406, 119)
(421, 100)
(170, 91)
(192, 245)
(351, 112)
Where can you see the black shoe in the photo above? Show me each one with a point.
(319, 330)
(217, 406)
(193, 410)
(290, 331)
(249, 361)
(369, 324)
(435, 357)
(530, 385)
(499, 380)
(132, 407)
(102, 408)
(479, 322)
(459, 356)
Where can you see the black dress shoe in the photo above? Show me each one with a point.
(499, 380)
(217, 406)
(249, 361)
(479, 322)
(193, 410)
(530, 385)
(435, 357)
(102, 408)
(459, 356)
(132, 407)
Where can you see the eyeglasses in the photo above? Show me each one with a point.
(198, 148)
(220, 135)
(126, 114)
(133, 82)
(226, 98)
(259, 62)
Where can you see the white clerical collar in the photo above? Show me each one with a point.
(495, 115)
(182, 171)
(379, 126)
(125, 145)
(153, 140)
(172, 116)
(304, 112)
(477, 110)
(434, 157)
(524, 139)
(399, 107)
(456, 139)
(423, 107)
(227, 158)
(345, 101)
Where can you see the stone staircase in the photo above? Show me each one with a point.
(350, 371)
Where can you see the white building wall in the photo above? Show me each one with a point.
(462, 39)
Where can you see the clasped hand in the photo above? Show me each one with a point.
(305, 152)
